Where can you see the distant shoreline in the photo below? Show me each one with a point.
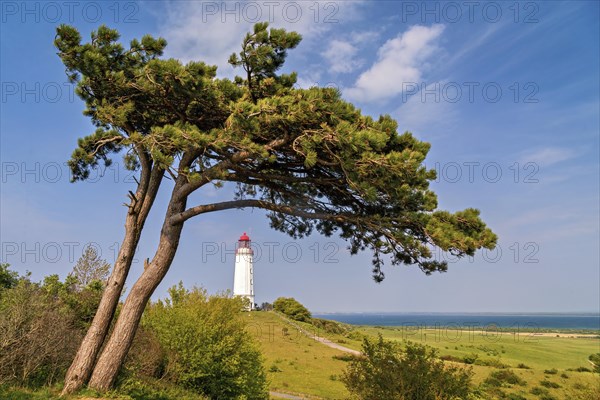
(566, 323)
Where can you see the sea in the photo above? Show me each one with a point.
(529, 321)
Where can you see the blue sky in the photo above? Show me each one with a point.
(507, 93)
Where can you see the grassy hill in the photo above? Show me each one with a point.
(549, 367)
(296, 363)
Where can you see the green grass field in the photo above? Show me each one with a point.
(308, 367)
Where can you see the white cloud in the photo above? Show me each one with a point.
(309, 79)
(211, 31)
(401, 60)
(547, 156)
(341, 56)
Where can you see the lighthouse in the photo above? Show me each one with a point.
(243, 277)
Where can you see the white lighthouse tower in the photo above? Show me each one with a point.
(243, 277)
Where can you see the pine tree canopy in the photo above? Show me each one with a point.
(307, 156)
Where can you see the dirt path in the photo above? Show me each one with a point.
(319, 339)
(278, 395)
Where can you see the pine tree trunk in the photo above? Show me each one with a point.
(83, 364)
(116, 349)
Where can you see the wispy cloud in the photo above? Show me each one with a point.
(547, 156)
(426, 114)
(400, 60)
(552, 223)
(342, 55)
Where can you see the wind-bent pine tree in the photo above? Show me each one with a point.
(309, 158)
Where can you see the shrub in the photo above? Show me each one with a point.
(292, 308)
(274, 368)
(147, 357)
(38, 336)
(328, 326)
(470, 359)
(148, 389)
(8, 278)
(207, 345)
(344, 357)
(549, 384)
(538, 391)
(582, 369)
(523, 366)
(595, 359)
(388, 372)
(504, 376)
(552, 371)
(491, 362)
(491, 381)
(448, 357)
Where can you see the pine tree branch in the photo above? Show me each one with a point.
(255, 203)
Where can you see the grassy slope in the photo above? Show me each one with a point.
(306, 367)
(310, 375)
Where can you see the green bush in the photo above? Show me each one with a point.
(328, 326)
(38, 336)
(550, 384)
(538, 391)
(292, 308)
(552, 371)
(41, 325)
(595, 359)
(8, 278)
(344, 357)
(582, 369)
(208, 349)
(388, 372)
(470, 359)
(140, 388)
(147, 357)
(504, 376)
(274, 368)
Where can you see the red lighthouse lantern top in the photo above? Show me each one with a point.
(244, 243)
(244, 238)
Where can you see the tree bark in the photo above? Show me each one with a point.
(117, 346)
(82, 366)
